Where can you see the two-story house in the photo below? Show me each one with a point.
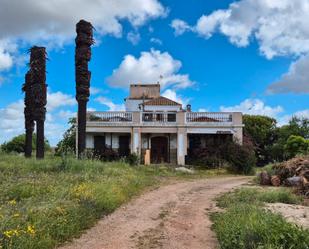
(158, 129)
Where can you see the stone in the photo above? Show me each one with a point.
(185, 170)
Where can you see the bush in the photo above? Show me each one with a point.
(239, 158)
(296, 145)
(17, 144)
(133, 159)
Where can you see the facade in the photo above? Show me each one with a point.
(158, 129)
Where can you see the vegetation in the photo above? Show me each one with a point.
(68, 143)
(271, 142)
(17, 144)
(44, 203)
(237, 158)
(296, 145)
(247, 225)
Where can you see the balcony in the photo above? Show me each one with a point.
(109, 117)
(209, 117)
(161, 119)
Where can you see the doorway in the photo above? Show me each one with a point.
(124, 146)
(159, 150)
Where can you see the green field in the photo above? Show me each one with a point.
(245, 224)
(44, 203)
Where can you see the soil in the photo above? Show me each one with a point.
(175, 216)
(293, 213)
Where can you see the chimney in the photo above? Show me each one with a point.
(189, 108)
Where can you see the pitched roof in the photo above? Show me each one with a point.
(162, 101)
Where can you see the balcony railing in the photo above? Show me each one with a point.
(113, 117)
(208, 117)
(159, 117)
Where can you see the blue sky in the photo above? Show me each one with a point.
(213, 55)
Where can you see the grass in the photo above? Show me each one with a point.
(247, 225)
(44, 203)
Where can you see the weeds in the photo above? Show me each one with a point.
(246, 225)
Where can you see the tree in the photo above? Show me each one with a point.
(84, 40)
(17, 144)
(296, 145)
(68, 143)
(262, 132)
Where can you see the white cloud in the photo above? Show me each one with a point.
(254, 107)
(286, 118)
(95, 90)
(48, 22)
(156, 41)
(147, 69)
(112, 106)
(281, 27)
(171, 94)
(31, 19)
(296, 80)
(203, 110)
(59, 99)
(134, 37)
(180, 26)
(12, 117)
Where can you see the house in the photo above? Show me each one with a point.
(158, 129)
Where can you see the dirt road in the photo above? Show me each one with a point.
(170, 217)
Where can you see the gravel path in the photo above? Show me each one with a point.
(170, 217)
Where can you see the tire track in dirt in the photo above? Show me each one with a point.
(171, 217)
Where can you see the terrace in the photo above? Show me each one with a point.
(162, 118)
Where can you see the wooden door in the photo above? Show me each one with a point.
(99, 144)
(124, 146)
(159, 150)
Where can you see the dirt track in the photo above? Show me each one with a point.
(170, 217)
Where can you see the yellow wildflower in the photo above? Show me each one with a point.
(30, 229)
(12, 202)
(11, 233)
(16, 215)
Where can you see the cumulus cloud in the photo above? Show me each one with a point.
(254, 107)
(150, 68)
(286, 118)
(156, 41)
(59, 99)
(296, 80)
(171, 94)
(48, 22)
(31, 19)
(280, 26)
(12, 117)
(110, 104)
(134, 37)
(180, 26)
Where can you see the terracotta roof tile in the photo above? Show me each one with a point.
(162, 101)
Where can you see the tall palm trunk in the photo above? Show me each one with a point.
(35, 100)
(83, 41)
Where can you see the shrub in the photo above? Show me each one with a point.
(17, 144)
(133, 159)
(296, 145)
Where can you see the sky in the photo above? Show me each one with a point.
(248, 55)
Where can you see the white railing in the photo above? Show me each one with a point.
(209, 117)
(113, 117)
(159, 117)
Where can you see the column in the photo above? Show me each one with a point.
(136, 141)
(181, 146)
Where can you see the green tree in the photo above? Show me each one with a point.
(68, 142)
(17, 144)
(262, 132)
(297, 127)
(296, 145)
